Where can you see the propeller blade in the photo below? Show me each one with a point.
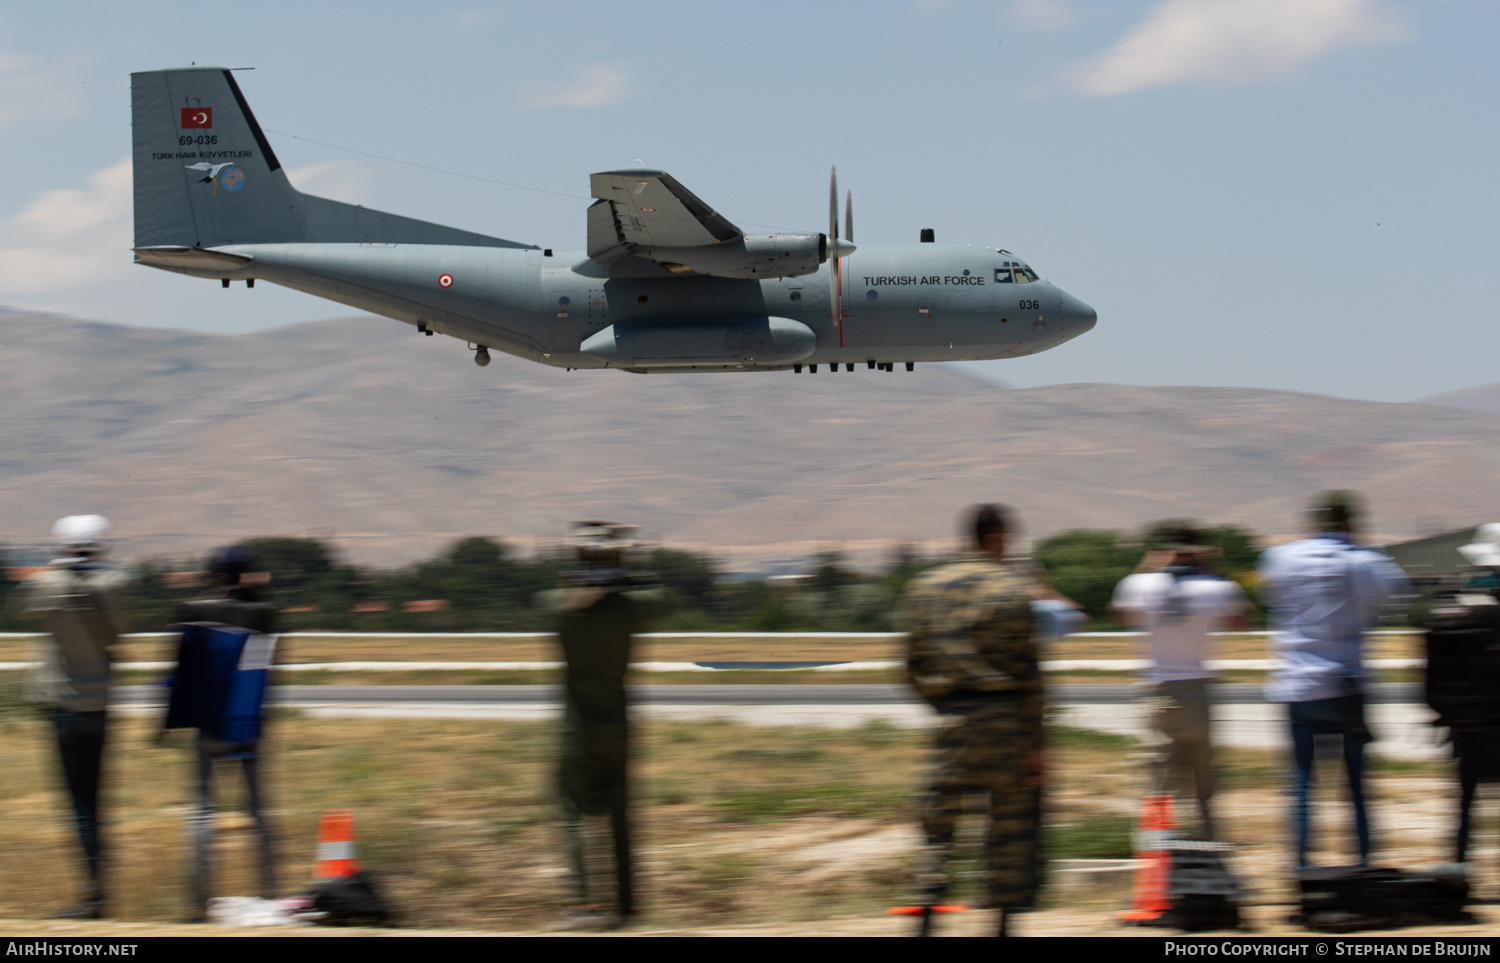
(833, 202)
(849, 217)
(835, 308)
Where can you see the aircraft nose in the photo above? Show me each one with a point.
(1079, 317)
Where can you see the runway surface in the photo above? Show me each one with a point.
(726, 695)
(1396, 715)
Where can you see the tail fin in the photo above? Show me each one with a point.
(206, 176)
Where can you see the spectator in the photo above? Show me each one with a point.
(1180, 603)
(1324, 591)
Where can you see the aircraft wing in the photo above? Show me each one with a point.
(650, 209)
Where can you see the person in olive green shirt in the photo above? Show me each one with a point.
(597, 614)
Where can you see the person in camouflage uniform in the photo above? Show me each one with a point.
(597, 614)
(973, 658)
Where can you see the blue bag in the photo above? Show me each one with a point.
(220, 686)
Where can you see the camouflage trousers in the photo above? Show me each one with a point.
(989, 758)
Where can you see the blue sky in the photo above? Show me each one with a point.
(1292, 194)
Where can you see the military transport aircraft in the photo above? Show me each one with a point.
(666, 283)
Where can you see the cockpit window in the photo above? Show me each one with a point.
(1022, 273)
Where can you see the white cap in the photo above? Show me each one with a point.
(80, 530)
(1485, 549)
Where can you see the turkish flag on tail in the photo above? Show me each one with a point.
(197, 117)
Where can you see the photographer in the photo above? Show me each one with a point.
(1180, 603)
(1324, 591)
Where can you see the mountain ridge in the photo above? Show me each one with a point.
(391, 444)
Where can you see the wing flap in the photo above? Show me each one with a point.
(606, 242)
(652, 209)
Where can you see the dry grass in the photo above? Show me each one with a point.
(457, 818)
(736, 825)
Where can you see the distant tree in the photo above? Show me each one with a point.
(1086, 564)
(153, 603)
(477, 553)
(296, 564)
(1237, 547)
(9, 621)
(693, 578)
(486, 587)
(830, 572)
(904, 565)
(753, 606)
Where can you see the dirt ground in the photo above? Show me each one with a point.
(789, 648)
(1259, 921)
(741, 831)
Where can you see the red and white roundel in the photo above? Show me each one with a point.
(445, 280)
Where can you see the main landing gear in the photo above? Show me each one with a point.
(875, 365)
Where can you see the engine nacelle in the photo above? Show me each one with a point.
(752, 256)
(715, 341)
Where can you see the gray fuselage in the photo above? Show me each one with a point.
(901, 302)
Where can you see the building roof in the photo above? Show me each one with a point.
(1435, 555)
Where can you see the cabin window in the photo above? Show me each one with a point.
(563, 301)
(872, 295)
(796, 295)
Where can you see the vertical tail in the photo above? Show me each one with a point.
(204, 173)
(206, 176)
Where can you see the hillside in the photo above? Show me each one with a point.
(1482, 398)
(394, 443)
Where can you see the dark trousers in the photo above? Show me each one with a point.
(1478, 761)
(203, 818)
(80, 740)
(1342, 717)
(593, 779)
(619, 824)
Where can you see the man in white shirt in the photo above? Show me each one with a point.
(1180, 603)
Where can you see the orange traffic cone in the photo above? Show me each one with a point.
(1149, 891)
(337, 853)
(918, 910)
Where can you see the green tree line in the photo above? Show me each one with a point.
(479, 584)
